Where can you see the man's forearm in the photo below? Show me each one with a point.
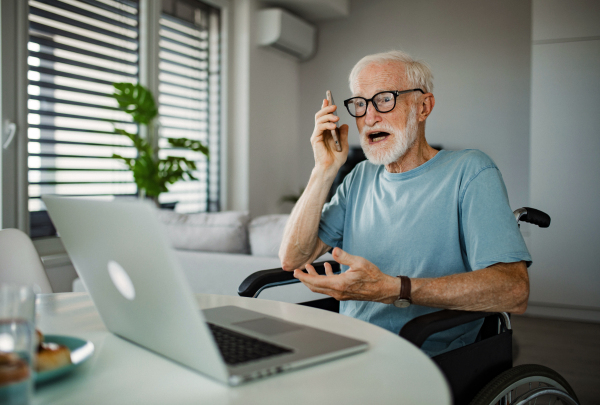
(503, 287)
(300, 237)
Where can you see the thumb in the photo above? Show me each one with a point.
(343, 257)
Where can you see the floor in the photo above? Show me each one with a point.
(570, 348)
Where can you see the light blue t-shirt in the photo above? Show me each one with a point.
(450, 215)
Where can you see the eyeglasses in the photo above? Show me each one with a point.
(383, 102)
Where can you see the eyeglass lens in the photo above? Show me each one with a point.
(384, 102)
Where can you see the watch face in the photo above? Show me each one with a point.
(401, 303)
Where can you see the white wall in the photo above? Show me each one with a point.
(565, 168)
(274, 109)
(479, 52)
(263, 120)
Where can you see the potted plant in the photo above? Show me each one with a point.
(151, 174)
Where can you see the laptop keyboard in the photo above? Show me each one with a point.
(237, 348)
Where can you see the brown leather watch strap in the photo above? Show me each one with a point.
(405, 289)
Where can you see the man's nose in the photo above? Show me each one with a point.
(372, 116)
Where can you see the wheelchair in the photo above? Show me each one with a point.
(481, 373)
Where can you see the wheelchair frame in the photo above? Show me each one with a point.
(479, 373)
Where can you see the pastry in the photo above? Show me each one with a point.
(51, 356)
(12, 368)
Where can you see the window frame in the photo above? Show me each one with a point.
(14, 211)
(13, 90)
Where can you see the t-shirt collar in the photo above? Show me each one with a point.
(411, 173)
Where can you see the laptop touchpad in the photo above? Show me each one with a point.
(268, 326)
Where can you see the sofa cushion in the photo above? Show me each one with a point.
(217, 273)
(266, 233)
(222, 273)
(224, 232)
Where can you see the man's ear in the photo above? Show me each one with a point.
(427, 102)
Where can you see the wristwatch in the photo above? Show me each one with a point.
(404, 299)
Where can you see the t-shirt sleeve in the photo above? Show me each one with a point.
(333, 215)
(488, 226)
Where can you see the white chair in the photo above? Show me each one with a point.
(20, 262)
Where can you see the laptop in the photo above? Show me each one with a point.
(128, 267)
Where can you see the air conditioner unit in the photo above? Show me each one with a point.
(284, 31)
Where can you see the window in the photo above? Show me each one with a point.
(77, 49)
(189, 96)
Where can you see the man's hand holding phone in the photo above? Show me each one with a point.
(334, 134)
(328, 155)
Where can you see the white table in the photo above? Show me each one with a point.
(391, 371)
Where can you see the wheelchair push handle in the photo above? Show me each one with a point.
(533, 216)
(258, 281)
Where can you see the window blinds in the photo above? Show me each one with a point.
(189, 97)
(77, 49)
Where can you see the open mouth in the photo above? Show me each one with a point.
(378, 136)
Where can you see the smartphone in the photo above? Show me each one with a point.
(338, 145)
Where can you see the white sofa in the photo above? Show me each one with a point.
(217, 251)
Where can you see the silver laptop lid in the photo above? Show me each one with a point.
(118, 245)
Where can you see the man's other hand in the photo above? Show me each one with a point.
(363, 281)
(326, 156)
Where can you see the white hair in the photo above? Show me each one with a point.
(418, 73)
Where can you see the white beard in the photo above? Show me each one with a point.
(401, 141)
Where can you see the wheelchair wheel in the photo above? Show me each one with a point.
(527, 384)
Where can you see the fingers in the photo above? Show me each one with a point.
(311, 274)
(330, 284)
(316, 282)
(311, 270)
(324, 126)
(327, 118)
(325, 109)
(305, 277)
(328, 269)
(345, 258)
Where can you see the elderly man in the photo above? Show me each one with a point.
(414, 229)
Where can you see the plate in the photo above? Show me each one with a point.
(81, 350)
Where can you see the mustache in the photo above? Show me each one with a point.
(379, 127)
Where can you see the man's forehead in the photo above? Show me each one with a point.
(375, 78)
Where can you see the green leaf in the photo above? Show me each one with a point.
(137, 101)
(195, 145)
(128, 161)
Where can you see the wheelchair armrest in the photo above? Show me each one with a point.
(419, 329)
(256, 282)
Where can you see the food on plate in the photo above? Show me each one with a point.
(51, 356)
(12, 368)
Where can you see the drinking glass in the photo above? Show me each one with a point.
(17, 334)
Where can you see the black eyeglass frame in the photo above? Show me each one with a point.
(396, 93)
